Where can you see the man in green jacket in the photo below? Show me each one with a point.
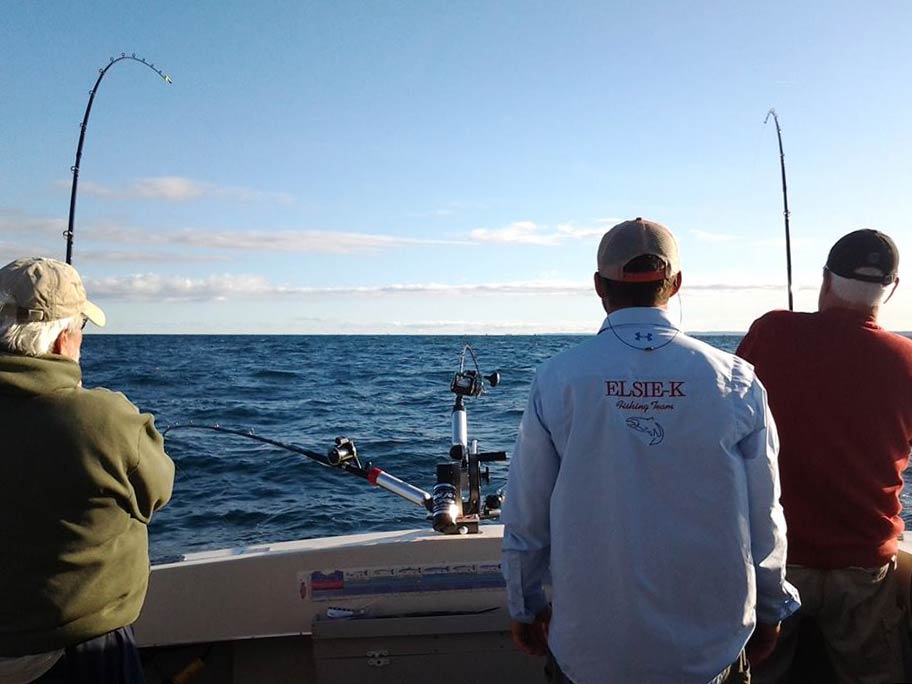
(82, 472)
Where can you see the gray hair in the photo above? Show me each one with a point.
(857, 291)
(36, 338)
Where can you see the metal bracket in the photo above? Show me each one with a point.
(377, 658)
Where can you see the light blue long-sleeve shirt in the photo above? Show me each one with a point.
(646, 480)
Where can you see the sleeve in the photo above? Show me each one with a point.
(526, 514)
(776, 598)
(153, 476)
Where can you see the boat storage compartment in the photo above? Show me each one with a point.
(440, 648)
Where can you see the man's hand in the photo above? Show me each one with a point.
(532, 638)
(762, 643)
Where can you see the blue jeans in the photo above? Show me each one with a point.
(111, 658)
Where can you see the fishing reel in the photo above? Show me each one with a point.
(456, 505)
(451, 512)
(469, 383)
(342, 451)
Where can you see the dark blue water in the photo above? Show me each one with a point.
(390, 394)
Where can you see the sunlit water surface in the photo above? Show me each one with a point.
(390, 394)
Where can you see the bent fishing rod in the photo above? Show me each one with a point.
(82, 131)
(450, 512)
(788, 239)
(343, 456)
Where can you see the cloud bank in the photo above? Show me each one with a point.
(151, 286)
(293, 241)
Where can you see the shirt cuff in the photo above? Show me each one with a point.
(529, 607)
(776, 613)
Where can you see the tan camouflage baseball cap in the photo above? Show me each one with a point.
(40, 289)
(631, 239)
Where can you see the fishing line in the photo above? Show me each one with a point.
(466, 347)
(249, 434)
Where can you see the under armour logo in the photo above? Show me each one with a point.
(643, 336)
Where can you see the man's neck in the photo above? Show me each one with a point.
(609, 309)
(833, 304)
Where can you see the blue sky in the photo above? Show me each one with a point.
(447, 167)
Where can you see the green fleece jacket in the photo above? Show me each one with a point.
(81, 472)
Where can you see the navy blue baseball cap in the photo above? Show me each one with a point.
(866, 255)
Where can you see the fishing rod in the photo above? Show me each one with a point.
(343, 455)
(82, 131)
(450, 512)
(788, 239)
(464, 470)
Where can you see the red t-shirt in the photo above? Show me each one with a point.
(840, 390)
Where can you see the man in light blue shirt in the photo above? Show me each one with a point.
(645, 479)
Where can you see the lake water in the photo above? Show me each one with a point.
(389, 394)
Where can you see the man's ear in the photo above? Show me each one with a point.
(68, 343)
(677, 285)
(827, 281)
(60, 342)
(893, 291)
(599, 283)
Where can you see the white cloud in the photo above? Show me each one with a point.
(180, 189)
(530, 233)
(147, 256)
(169, 188)
(89, 188)
(215, 287)
(221, 287)
(44, 234)
(572, 231)
(521, 232)
(174, 288)
(300, 241)
(711, 288)
(17, 223)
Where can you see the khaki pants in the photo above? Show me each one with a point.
(857, 612)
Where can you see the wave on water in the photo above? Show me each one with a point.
(390, 394)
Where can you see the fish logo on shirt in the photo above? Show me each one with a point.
(647, 428)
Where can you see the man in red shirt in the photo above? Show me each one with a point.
(840, 390)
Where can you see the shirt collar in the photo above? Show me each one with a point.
(850, 316)
(638, 315)
(640, 327)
